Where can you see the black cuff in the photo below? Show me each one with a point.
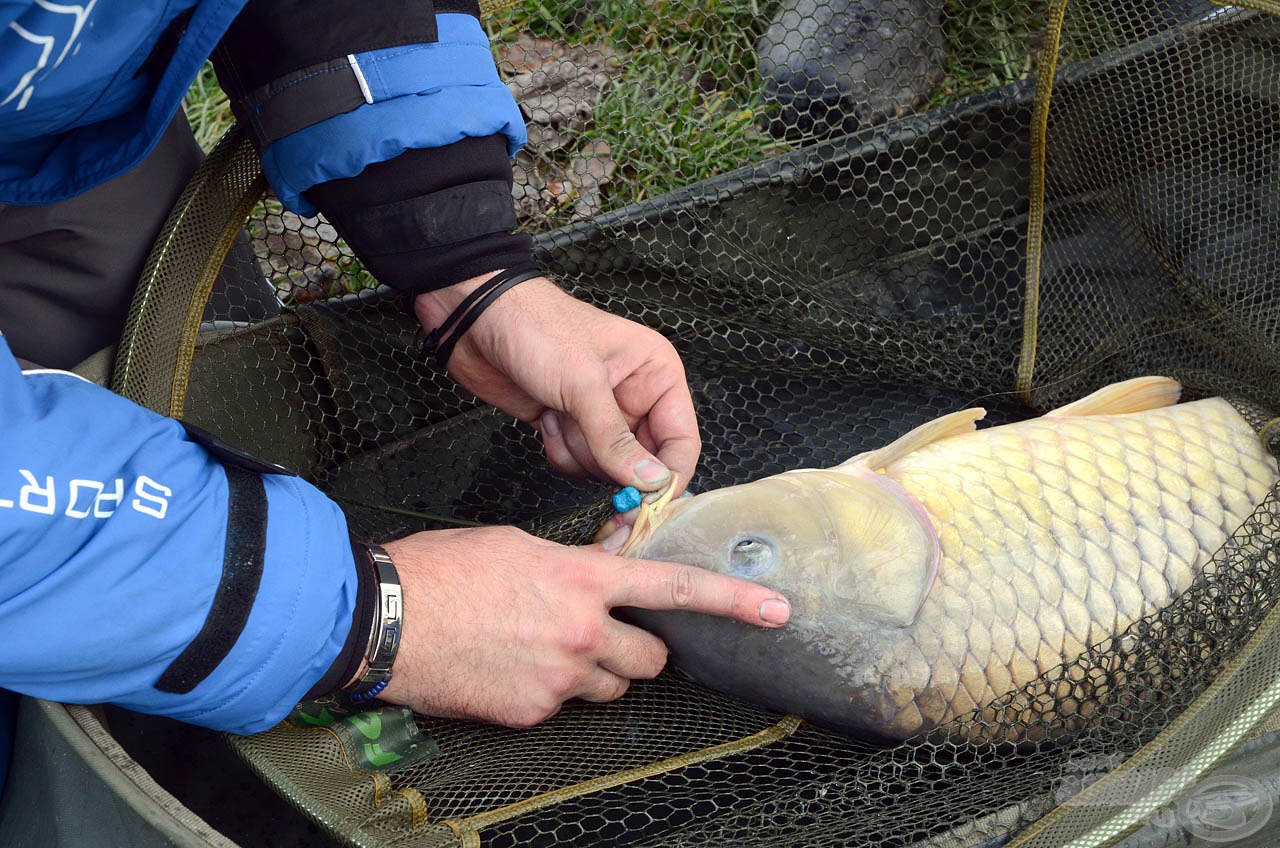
(348, 661)
(436, 267)
(432, 217)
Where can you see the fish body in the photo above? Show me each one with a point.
(935, 575)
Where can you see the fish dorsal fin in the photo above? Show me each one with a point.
(1136, 395)
(955, 424)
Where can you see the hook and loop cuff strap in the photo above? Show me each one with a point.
(290, 64)
(242, 566)
(461, 319)
(242, 563)
(272, 39)
(441, 218)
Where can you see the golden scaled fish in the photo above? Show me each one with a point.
(933, 576)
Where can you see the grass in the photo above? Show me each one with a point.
(990, 43)
(663, 135)
(207, 108)
(688, 104)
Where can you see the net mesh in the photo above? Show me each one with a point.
(844, 217)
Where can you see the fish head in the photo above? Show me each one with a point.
(854, 553)
(844, 543)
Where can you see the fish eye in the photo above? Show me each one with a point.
(750, 557)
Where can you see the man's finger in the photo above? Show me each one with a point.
(551, 427)
(671, 586)
(602, 686)
(672, 426)
(576, 441)
(612, 443)
(622, 520)
(634, 653)
(645, 437)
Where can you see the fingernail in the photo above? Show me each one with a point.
(775, 611)
(616, 540)
(551, 424)
(651, 471)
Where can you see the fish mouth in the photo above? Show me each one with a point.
(654, 509)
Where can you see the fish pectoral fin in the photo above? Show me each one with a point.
(955, 424)
(1136, 395)
(888, 553)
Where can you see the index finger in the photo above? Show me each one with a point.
(672, 586)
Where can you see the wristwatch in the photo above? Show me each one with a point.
(384, 634)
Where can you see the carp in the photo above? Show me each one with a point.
(931, 577)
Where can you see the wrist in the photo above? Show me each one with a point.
(442, 338)
(433, 307)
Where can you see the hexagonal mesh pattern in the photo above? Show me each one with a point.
(825, 206)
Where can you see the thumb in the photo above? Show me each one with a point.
(611, 441)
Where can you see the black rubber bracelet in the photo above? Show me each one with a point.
(435, 336)
(461, 319)
(446, 347)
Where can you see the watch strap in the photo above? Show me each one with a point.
(383, 640)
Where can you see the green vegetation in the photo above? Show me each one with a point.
(724, 32)
(688, 103)
(685, 102)
(990, 43)
(207, 108)
(663, 135)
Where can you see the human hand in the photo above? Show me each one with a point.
(503, 627)
(608, 396)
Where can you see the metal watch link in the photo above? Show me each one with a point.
(384, 635)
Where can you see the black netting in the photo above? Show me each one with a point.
(825, 207)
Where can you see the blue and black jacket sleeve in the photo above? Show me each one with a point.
(388, 117)
(144, 566)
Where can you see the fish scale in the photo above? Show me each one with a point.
(1095, 581)
(934, 576)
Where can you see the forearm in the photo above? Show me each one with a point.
(399, 131)
(136, 569)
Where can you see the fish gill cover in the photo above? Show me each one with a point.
(851, 217)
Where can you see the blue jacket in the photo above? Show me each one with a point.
(112, 536)
(111, 546)
(81, 100)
